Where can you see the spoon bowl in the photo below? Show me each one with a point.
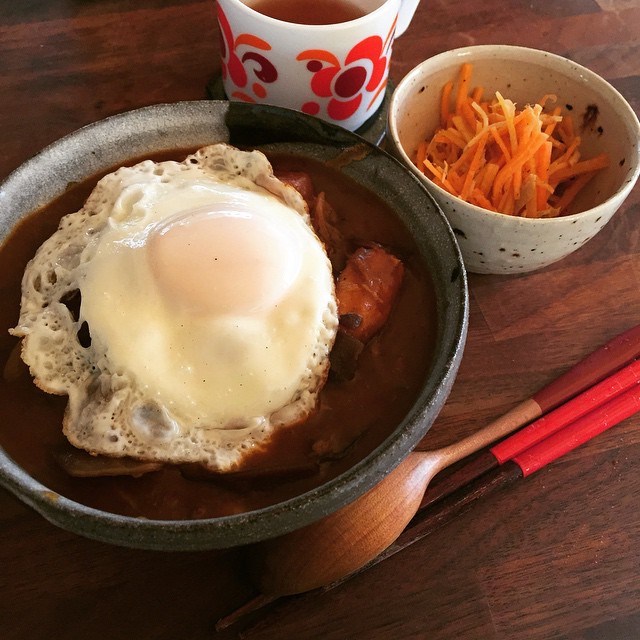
(346, 540)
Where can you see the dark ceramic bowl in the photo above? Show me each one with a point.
(118, 139)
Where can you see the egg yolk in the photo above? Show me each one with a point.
(223, 260)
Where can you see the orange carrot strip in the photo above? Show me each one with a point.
(469, 116)
(463, 88)
(439, 177)
(516, 181)
(445, 102)
(466, 157)
(477, 197)
(543, 160)
(565, 129)
(431, 167)
(456, 180)
(564, 159)
(491, 170)
(469, 181)
(573, 189)
(546, 97)
(596, 163)
(446, 185)
(476, 94)
(452, 154)
(500, 142)
(507, 201)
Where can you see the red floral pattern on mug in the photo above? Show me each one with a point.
(364, 69)
(233, 61)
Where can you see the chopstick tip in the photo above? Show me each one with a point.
(256, 603)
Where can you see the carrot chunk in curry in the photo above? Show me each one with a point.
(366, 289)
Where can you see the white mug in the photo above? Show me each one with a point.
(337, 72)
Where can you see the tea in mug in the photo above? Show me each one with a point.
(308, 12)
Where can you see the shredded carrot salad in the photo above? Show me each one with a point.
(518, 162)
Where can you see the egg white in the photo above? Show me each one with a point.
(182, 367)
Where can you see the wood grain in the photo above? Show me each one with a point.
(554, 556)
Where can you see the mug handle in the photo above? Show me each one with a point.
(407, 9)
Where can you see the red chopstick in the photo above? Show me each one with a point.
(582, 430)
(627, 378)
(560, 440)
(606, 360)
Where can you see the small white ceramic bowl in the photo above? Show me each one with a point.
(497, 243)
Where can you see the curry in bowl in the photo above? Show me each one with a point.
(384, 320)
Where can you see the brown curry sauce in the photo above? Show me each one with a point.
(351, 420)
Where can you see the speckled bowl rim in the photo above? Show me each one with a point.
(201, 122)
(539, 57)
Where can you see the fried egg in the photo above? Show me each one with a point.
(209, 302)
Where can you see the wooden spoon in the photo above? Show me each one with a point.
(346, 540)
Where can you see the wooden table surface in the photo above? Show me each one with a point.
(555, 556)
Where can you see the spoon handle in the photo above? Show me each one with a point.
(604, 361)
